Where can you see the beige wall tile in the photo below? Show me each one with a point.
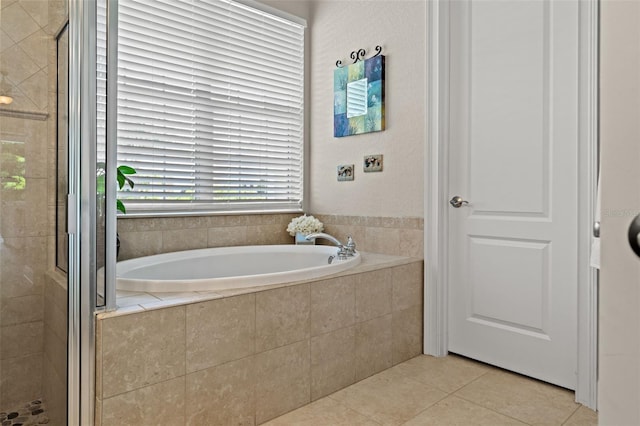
(227, 236)
(25, 214)
(522, 398)
(21, 339)
(282, 377)
(407, 286)
(373, 346)
(332, 304)
(21, 380)
(373, 294)
(58, 12)
(220, 330)
(411, 243)
(342, 231)
(333, 365)
(54, 400)
(99, 356)
(183, 239)
(142, 349)
(222, 395)
(18, 310)
(282, 316)
(35, 88)
(22, 265)
(17, 23)
(323, 412)
(159, 404)
(268, 234)
(55, 319)
(448, 373)
(453, 411)
(383, 240)
(97, 419)
(407, 334)
(37, 9)
(138, 244)
(56, 289)
(389, 398)
(236, 220)
(55, 350)
(37, 46)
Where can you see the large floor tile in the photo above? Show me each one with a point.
(583, 417)
(525, 399)
(389, 397)
(323, 412)
(448, 373)
(453, 411)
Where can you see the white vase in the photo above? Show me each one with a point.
(300, 239)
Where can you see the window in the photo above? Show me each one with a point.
(210, 106)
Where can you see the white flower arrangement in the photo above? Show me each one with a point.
(305, 225)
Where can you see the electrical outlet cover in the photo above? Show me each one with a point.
(345, 172)
(372, 163)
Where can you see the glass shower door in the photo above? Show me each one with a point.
(33, 292)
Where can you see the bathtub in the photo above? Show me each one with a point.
(223, 268)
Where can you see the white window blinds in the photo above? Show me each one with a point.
(210, 106)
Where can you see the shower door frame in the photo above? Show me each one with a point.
(82, 201)
(81, 213)
(437, 193)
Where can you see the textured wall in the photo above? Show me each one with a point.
(619, 304)
(337, 28)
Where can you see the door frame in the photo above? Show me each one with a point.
(437, 192)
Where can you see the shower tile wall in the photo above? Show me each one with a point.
(27, 172)
(147, 236)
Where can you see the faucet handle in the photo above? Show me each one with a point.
(350, 246)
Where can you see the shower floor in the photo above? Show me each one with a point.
(30, 414)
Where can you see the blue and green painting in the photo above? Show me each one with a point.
(345, 122)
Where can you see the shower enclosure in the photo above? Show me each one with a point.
(57, 209)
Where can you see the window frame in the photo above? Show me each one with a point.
(148, 208)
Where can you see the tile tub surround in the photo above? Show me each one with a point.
(249, 356)
(398, 236)
(146, 236)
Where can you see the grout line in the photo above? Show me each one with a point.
(330, 396)
(571, 415)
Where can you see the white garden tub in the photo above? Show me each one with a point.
(229, 267)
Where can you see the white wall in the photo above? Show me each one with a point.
(619, 317)
(335, 29)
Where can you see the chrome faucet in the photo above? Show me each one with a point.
(344, 251)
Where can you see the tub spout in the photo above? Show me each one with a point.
(343, 251)
(328, 237)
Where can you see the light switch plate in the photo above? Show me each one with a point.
(345, 172)
(372, 163)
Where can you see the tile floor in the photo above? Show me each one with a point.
(444, 391)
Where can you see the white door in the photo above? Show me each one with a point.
(514, 158)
